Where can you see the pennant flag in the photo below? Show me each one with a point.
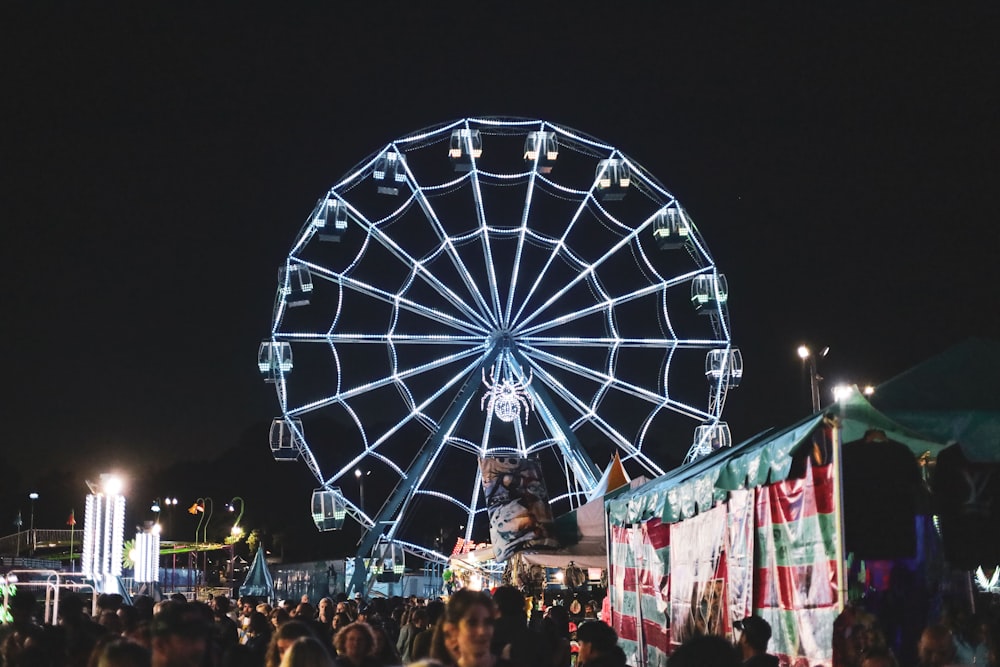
(71, 521)
(18, 522)
(194, 509)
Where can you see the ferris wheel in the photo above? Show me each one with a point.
(492, 287)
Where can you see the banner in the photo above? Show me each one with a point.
(739, 556)
(796, 587)
(639, 591)
(698, 603)
(518, 506)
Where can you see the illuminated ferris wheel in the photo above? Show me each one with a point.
(492, 287)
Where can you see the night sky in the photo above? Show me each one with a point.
(157, 164)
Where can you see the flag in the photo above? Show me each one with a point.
(71, 521)
(18, 522)
(195, 508)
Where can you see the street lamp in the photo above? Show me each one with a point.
(237, 531)
(361, 487)
(33, 496)
(809, 364)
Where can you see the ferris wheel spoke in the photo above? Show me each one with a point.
(609, 381)
(591, 269)
(477, 195)
(556, 247)
(516, 269)
(452, 252)
(598, 307)
(607, 342)
(415, 265)
(394, 300)
(588, 413)
(335, 338)
(386, 381)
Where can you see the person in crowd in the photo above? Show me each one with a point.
(465, 632)
(420, 647)
(879, 657)
(554, 630)
(417, 623)
(180, 635)
(755, 633)
(258, 637)
(278, 617)
(355, 646)
(598, 645)
(283, 638)
(703, 651)
(123, 653)
(306, 652)
(81, 632)
(936, 647)
(511, 637)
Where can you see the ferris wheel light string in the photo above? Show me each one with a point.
(484, 312)
(428, 277)
(623, 242)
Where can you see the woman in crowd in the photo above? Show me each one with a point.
(355, 645)
(306, 652)
(463, 636)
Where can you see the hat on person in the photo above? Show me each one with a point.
(757, 630)
(179, 619)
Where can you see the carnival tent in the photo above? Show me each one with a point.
(258, 581)
(758, 528)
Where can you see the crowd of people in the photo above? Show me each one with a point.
(473, 629)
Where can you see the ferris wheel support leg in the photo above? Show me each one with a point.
(573, 452)
(386, 516)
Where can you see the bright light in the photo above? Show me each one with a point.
(842, 392)
(157, 528)
(33, 495)
(869, 390)
(155, 507)
(112, 484)
(357, 473)
(803, 352)
(236, 531)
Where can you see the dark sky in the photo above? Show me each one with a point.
(157, 164)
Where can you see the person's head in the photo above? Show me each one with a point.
(179, 634)
(282, 640)
(468, 623)
(705, 651)
(304, 611)
(936, 647)
(325, 609)
(306, 652)
(220, 605)
(878, 657)
(279, 616)
(509, 602)
(755, 633)
(123, 653)
(22, 607)
(596, 638)
(355, 641)
(258, 624)
(418, 617)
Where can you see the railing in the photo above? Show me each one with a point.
(26, 540)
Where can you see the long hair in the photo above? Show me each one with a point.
(306, 652)
(340, 639)
(288, 630)
(459, 605)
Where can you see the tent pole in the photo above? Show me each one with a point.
(838, 503)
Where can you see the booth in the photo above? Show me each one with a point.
(782, 525)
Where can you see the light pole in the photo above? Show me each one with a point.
(809, 365)
(361, 487)
(33, 496)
